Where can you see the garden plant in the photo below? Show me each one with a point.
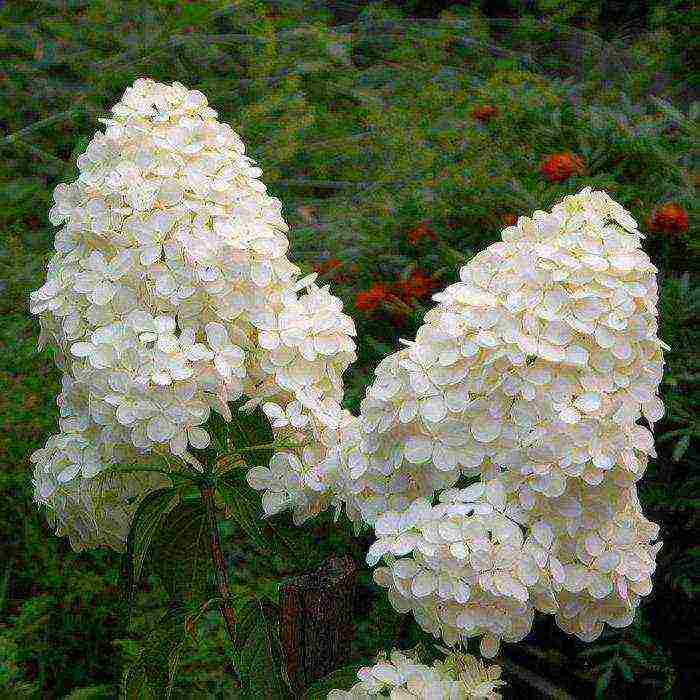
(474, 419)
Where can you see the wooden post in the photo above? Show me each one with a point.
(316, 616)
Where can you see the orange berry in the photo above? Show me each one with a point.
(325, 267)
(670, 219)
(561, 166)
(484, 113)
(419, 232)
(417, 286)
(373, 297)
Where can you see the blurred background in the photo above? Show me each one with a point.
(401, 138)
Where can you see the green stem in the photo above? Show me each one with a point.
(260, 448)
(281, 444)
(131, 470)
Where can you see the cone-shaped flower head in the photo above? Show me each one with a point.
(518, 404)
(530, 374)
(169, 295)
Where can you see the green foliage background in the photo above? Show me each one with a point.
(361, 116)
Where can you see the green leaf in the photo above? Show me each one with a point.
(180, 552)
(5, 585)
(340, 679)
(603, 682)
(146, 523)
(594, 651)
(625, 669)
(248, 429)
(671, 434)
(633, 652)
(218, 428)
(246, 617)
(153, 673)
(244, 509)
(681, 446)
(95, 692)
(257, 652)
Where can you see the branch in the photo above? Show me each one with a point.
(543, 686)
(219, 563)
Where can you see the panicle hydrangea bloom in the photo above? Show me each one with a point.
(518, 405)
(459, 677)
(170, 294)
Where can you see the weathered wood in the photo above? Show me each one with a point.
(316, 620)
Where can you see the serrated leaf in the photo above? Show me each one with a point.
(258, 653)
(625, 669)
(341, 679)
(603, 682)
(144, 526)
(218, 428)
(248, 429)
(244, 506)
(244, 510)
(180, 552)
(153, 673)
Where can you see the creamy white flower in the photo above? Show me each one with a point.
(293, 415)
(170, 252)
(458, 677)
(170, 295)
(530, 374)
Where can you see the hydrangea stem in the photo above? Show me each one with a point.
(219, 563)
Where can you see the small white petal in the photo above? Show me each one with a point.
(198, 438)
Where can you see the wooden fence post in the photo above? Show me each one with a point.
(316, 620)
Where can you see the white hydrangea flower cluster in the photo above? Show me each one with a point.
(531, 373)
(169, 295)
(96, 514)
(459, 677)
(307, 346)
(529, 376)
